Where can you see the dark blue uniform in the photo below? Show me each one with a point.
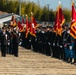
(4, 42)
(15, 42)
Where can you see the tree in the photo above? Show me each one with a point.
(44, 16)
(2, 5)
(28, 8)
(52, 16)
(67, 15)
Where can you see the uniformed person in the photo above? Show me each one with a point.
(60, 47)
(57, 45)
(32, 41)
(66, 43)
(49, 37)
(54, 44)
(39, 39)
(71, 49)
(65, 36)
(74, 51)
(43, 38)
(15, 41)
(9, 33)
(23, 35)
(3, 42)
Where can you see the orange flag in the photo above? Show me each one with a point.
(27, 26)
(33, 25)
(59, 21)
(13, 22)
(73, 23)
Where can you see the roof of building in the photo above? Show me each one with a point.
(7, 17)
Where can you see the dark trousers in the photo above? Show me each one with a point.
(3, 50)
(39, 47)
(10, 49)
(61, 53)
(15, 50)
(47, 49)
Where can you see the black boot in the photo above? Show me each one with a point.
(67, 60)
(71, 60)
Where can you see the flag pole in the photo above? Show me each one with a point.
(19, 7)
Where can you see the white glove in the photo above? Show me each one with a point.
(20, 43)
(49, 43)
(29, 40)
(8, 43)
(60, 46)
(70, 47)
(53, 44)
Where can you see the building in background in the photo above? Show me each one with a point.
(6, 18)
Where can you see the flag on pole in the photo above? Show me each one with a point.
(59, 21)
(56, 22)
(33, 25)
(27, 26)
(13, 22)
(20, 26)
(73, 22)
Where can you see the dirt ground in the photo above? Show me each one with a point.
(31, 63)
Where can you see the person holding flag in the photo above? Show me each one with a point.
(58, 30)
(15, 41)
(33, 26)
(27, 26)
(73, 33)
(27, 33)
(59, 21)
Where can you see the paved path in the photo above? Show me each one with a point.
(31, 63)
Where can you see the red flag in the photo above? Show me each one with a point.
(20, 26)
(27, 26)
(59, 21)
(13, 21)
(56, 22)
(33, 25)
(73, 23)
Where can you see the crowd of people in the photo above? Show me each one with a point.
(9, 40)
(51, 44)
(46, 42)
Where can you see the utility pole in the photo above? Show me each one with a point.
(48, 13)
(19, 7)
